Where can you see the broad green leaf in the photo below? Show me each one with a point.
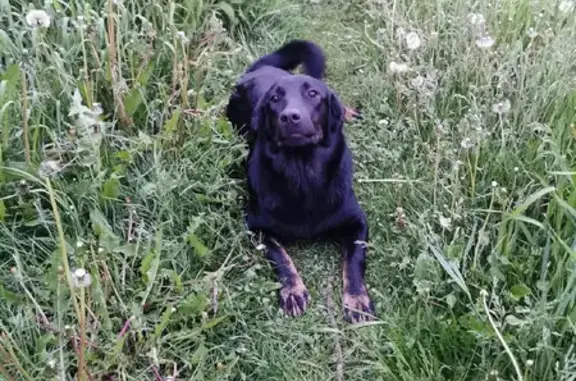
(99, 224)
(133, 100)
(2, 211)
(172, 123)
(530, 200)
(110, 189)
(164, 321)
(229, 11)
(520, 290)
(197, 245)
(213, 322)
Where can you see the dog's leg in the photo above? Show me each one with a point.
(357, 304)
(294, 296)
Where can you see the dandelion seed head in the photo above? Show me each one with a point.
(417, 81)
(445, 222)
(476, 19)
(182, 37)
(49, 168)
(566, 6)
(466, 143)
(97, 108)
(516, 169)
(502, 107)
(413, 41)
(484, 42)
(494, 184)
(261, 247)
(38, 18)
(79, 244)
(529, 362)
(81, 278)
(532, 33)
(398, 68)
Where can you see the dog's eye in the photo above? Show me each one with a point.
(274, 98)
(312, 93)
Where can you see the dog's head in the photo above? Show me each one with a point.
(298, 111)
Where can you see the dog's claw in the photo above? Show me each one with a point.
(358, 308)
(294, 299)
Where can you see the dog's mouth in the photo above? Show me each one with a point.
(300, 139)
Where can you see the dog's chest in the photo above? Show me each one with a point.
(300, 200)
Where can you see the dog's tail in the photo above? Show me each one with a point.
(292, 54)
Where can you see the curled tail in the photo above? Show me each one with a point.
(293, 53)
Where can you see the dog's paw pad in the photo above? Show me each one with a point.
(294, 299)
(358, 308)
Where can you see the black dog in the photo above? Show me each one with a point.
(300, 170)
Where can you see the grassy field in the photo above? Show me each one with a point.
(123, 251)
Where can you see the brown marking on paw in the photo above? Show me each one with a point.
(358, 308)
(349, 113)
(294, 299)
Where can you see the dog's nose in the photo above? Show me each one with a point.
(290, 115)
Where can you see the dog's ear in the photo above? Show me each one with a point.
(260, 120)
(335, 113)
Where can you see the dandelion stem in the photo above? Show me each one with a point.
(484, 293)
(66, 266)
(25, 116)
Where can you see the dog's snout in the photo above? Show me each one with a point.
(292, 115)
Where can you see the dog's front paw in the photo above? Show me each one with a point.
(294, 299)
(351, 114)
(358, 308)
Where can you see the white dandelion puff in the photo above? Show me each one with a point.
(182, 37)
(79, 244)
(502, 107)
(417, 82)
(49, 168)
(566, 6)
(532, 33)
(485, 42)
(516, 169)
(494, 184)
(97, 108)
(476, 19)
(466, 143)
(38, 18)
(398, 68)
(445, 222)
(413, 41)
(261, 247)
(81, 278)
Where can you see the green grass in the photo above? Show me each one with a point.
(471, 212)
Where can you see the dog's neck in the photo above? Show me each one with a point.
(307, 168)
